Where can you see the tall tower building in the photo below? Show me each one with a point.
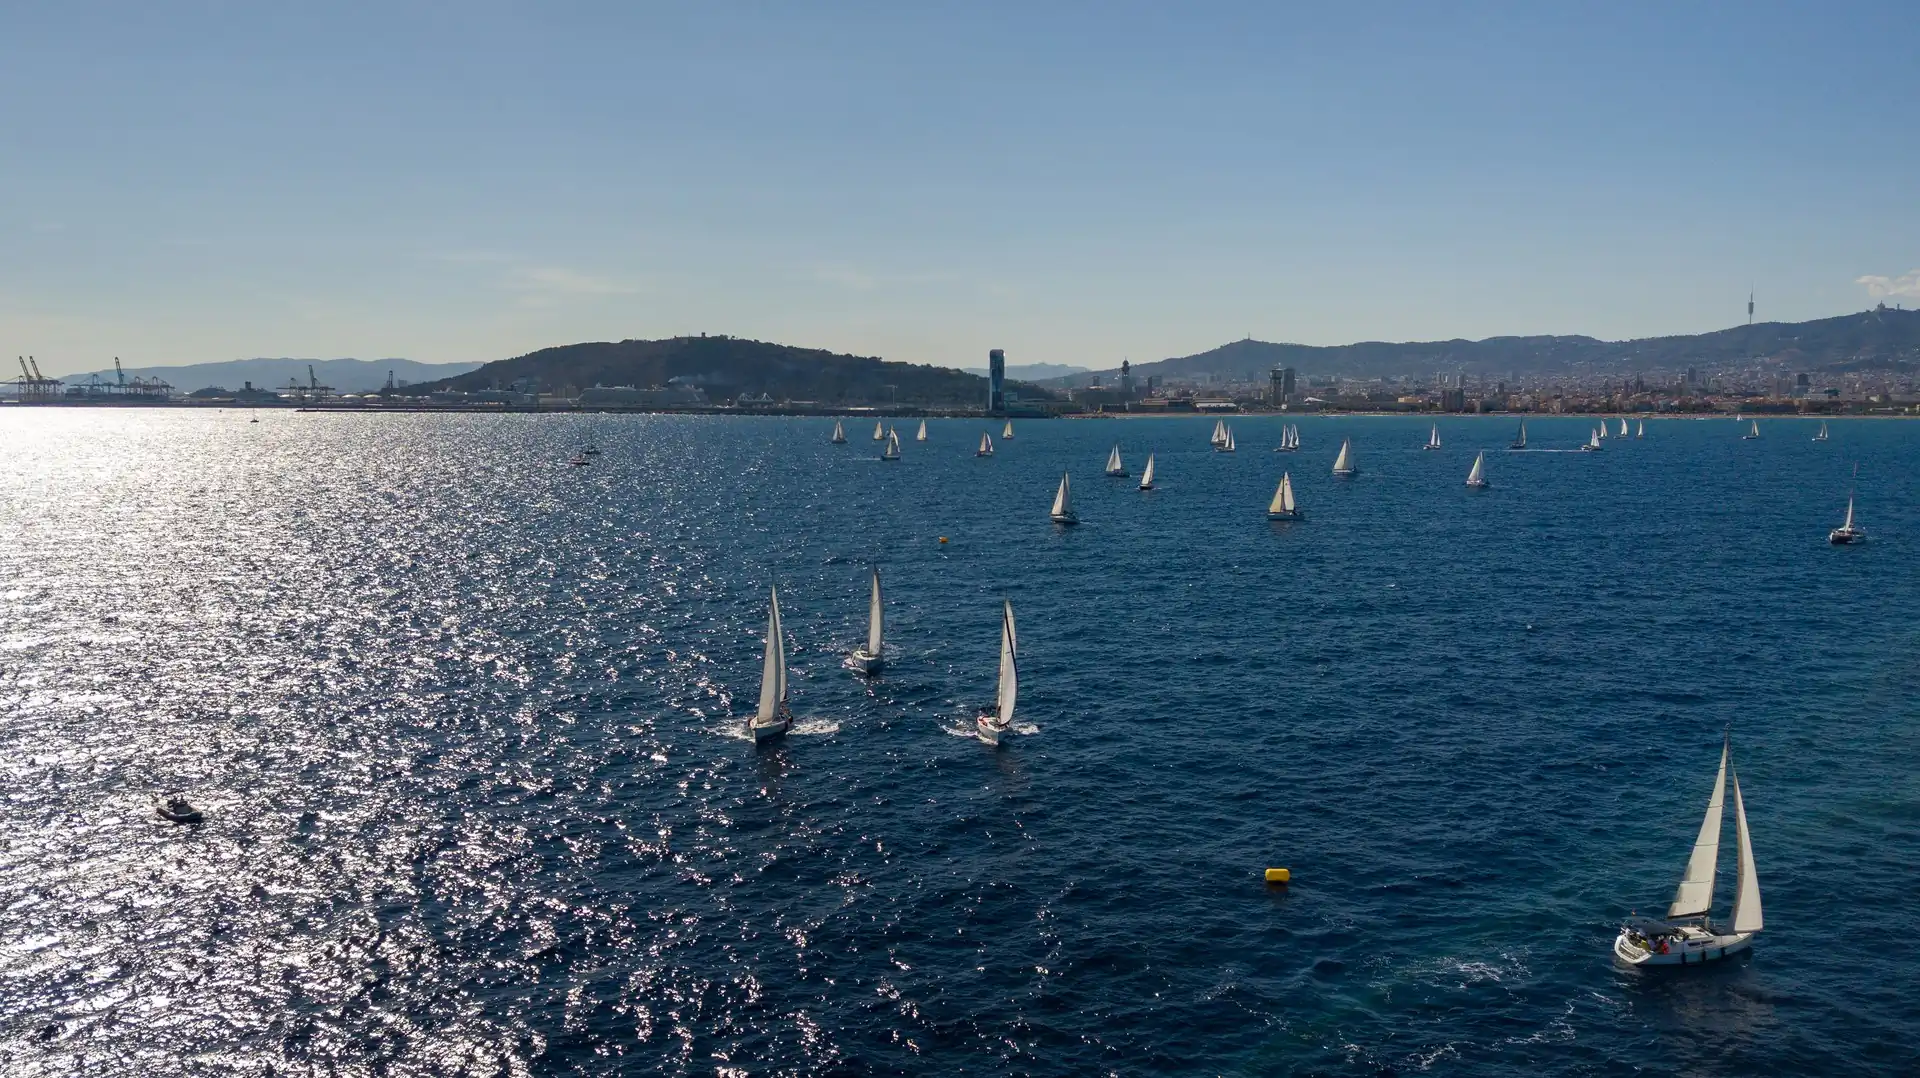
(997, 380)
(1126, 380)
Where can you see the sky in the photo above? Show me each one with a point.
(1073, 182)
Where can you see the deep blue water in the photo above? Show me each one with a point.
(469, 726)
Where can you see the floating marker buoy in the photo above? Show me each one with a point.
(1279, 875)
(943, 538)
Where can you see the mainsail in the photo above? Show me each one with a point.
(1063, 498)
(1283, 495)
(1746, 900)
(1694, 896)
(773, 672)
(1344, 462)
(1478, 475)
(875, 618)
(1146, 477)
(1009, 669)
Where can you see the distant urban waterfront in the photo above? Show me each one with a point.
(467, 723)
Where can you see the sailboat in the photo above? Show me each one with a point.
(922, 436)
(1146, 477)
(1283, 507)
(892, 450)
(1477, 478)
(1343, 464)
(1847, 532)
(1289, 439)
(1008, 432)
(1062, 512)
(1521, 441)
(1640, 430)
(1822, 436)
(1593, 443)
(879, 431)
(1433, 439)
(1623, 426)
(1602, 430)
(1226, 445)
(1686, 936)
(986, 445)
(839, 433)
(867, 659)
(1114, 467)
(773, 717)
(1219, 437)
(996, 724)
(1753, 432)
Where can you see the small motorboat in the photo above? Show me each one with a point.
(577, 460)
(177, 808)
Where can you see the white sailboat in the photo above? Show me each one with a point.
(867, 660)
(1227, 445)
(1593, 443)
(1822, 436)
(986, 445)
(1114, 467)
(839, 433)
(1686, 936)
(1146, 477)
(1283, 507)
(1602, 430)
(1753, 432)
(1477, 478)
(773, 718)
(1219, 437)
(892, 450)
(1062, 512)
(1008, 432)
(1623, 426)
(1521, 441)
(996, 724)
(922, 436)
(1289, 439)
(879, 431)
(1640, 430)
(1848, 531)
(1343, 464)
(1433, 439)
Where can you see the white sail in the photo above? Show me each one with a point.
(1007, 433)
(1623, 426)
(875, 618)
(1344, 462)
(879, 431)
(1009, 665)
(1640, 429)
(839, 432)
(1230, 446)
(1601, 430)
(1822, 436)
(892, 451)
(986, 444)
(1848, 526)
(1433, 439)
(922, 436)
(1694, 896)
(1113, 462)
(1283, 495)
(1063, 498)
(773, 672)
(1593, 440)
(1146, 477)
(1755, 432)
(1293, 437)
(1478, 475)
(1522, 443)
(1746, 898)
(1219, 432)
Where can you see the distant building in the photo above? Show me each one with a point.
(1453, 400)
(997, 380)
(1280, 385)
(1126, 380)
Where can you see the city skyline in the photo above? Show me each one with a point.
(1076, 185)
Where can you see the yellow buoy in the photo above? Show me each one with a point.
(1279, 875)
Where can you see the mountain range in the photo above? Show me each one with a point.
(1882, 338)
(345, 375)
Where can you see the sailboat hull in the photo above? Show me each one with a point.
(989, 729)
(1688, 946)
(1285, 514)
(1845, 536)
(1121, 474)
(1064, 518)
(1477, 484)
(772, 731)
(863, 662)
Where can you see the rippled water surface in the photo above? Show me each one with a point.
(469, 727)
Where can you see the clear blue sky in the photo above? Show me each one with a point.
(1072, 182)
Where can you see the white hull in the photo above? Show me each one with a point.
(989, 729)
(862, 662)
(1346, 472)
(1285, 514)
(1064, 518)
(1694, 947)
(1477, 484)
(1845, 536)
(770, 731)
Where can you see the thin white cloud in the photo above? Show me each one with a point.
(842, 275)
(1906, 285)
(561, 281)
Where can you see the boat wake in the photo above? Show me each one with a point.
(814, 727)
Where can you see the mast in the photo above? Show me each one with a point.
(875, 618)
(1746, 899)
(1694, 896)
(1009, 668)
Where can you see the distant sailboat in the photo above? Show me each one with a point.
(1219, 437)
(879, 431)
(1686, 936)
(1593, 443)
(892, 450)
(867, 660)
(922, 436)
(1753, 432)
(1008, 432)
(773, 717)
(1289, 439)
(1146, 477)
(1623, 426)
(993, 725)
(1640, 430)
(1847, 532)
(1521, 441)
(1283, 507)
(1602, 430)
(578, 460)
(1343, 464)
(839, 433)
(1477, 478)
(986, 445)
(1433, 439)
(1062, 512)
(1228, 445)
(1114, 467)
(1822, 436)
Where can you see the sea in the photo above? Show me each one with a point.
(468, 724)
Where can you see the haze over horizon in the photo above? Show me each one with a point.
(1074, 183)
